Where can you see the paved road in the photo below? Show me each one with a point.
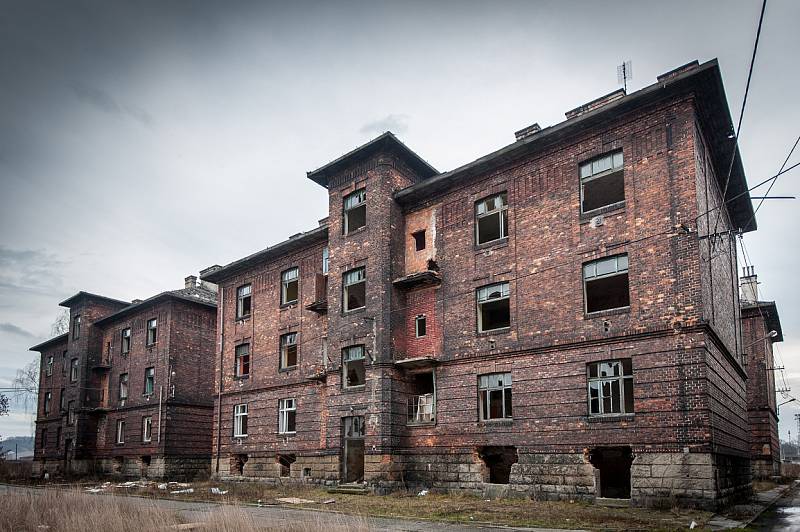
(278, 516)
(785, 515)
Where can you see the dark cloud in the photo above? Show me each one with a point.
(10, 328)
(106, 103)
(395, 123)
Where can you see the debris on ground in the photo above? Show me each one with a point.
(187, 490)
(217, 491)
(329, 501)
(422, 493)
(294, 500)
(692, 525)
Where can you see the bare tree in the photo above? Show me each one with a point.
(61, 325)
(26, 384)
(3, 412)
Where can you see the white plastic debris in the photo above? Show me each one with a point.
(294, 500)
(162, 486)
(187, 490)
(329, 501)
(692, 525)
(217, 491)
(422, 493)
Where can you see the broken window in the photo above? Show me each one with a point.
(287, 416)
(602, 182)
(493, 307)
(244, 300)
(355, 211)
(123, 386)
(286, 461)
(606, 283)
(491, 219)
(47, 397)
(353, 366)
(76, 327)
(422, 402)
(240, 420)
(149, 380)
(611, 387)
(61, 400)
(419, 240)
(326, 259)
(71, 413)
(494, 391)
(120, 431)
(147, 428)
(152, 331)
(125, 341)
(48, 368)
(242, 362)
(289, 286)
(288, 351)
(73, 370)
(420, 326)
(355, 289)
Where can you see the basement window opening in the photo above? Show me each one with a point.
(288, 351)
(493, 307)
(355, 289)
(285, 461)
(290, 286)
(491, 219)
(602, 182)
(355, 211)
(422, 400)
(606, 284)
(614, 467)
(353, 366)
(419, 239)
(498, 462)
(244, 301)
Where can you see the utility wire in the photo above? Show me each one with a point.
(773, 182)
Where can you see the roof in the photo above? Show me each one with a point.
(196, 295)
(52, 341)
(88, 295)
(385, 142)
(769, 310)
(704, 81)
(293, 243)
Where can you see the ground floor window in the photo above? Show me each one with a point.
(611, 387)
(240, 421)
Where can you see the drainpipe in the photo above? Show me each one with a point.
(221, 323)
(160, 394)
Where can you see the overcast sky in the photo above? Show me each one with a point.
(143, 141)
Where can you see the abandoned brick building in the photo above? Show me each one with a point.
(128, 390)
(561, 315)
(761, 327)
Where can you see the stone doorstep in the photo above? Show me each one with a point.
(612, 503)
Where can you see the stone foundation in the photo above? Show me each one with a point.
(317, 469)
(764, 469)
(160, 467)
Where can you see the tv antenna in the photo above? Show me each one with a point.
(624, 74)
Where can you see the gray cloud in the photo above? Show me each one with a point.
(106, 103)
(29, 271)
(395, 123)
(10, 328)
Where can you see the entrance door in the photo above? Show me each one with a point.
(353, 444)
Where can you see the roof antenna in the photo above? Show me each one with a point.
(624, 74)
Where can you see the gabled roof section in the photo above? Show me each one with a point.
(196, 295)
(61, 338)
(88, 295)
(769, 310)
(703, 81)
(385, 142)
(298, 241)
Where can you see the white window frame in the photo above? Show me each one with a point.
(326, 260)
(420, 318)
(243, 292)
(121, 431)
(284, 350)
(48, 398)
(292, 275)
(482, 211)
(285, 406)
(147, 429)
(152, 325)
(123, 385)
(76, 327)
(240, 412)
(151, 381)
(73, 370)
(604, 383)
(488, 383)
(125, 341)
(353, 201)
(48, 368)
(485, 294)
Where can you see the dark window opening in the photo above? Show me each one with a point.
(73, 370)
(614, 465)
(602, 182)
(494, 396)
(288, 346)
(76, 327)
(42, 441)
(290, 288)
(306, 472)
(149, 381)
(237, 463)
(355, 289)
(422, 399)
(353, 366)
(125, 341)
(493, 307)
(498, 462)
(421, 326)
(606, 284)
(419, 240)
(244, 301)
(611, 387)
(242, 363)
(491, 219)
(286, 461)
(118, 465)
(355, 211)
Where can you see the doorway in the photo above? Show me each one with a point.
(498, 462)
(353, 444)
(614, 466)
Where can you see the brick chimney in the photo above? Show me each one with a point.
(596, 104)
(527, 131)
(190, 281)
(749, 284)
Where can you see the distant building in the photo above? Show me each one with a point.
(128, 390)
(560, 316)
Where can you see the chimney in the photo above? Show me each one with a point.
(190, 281)
(527, 131)
(749, 284)
(596, 104)
(675, 72)
(136, 301)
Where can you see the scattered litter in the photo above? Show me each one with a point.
(293, 500)
(188, 490)
(692, 525)
(422, 493)
(217, 491)
(162, 486)
(329, 501)
(94, 490)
